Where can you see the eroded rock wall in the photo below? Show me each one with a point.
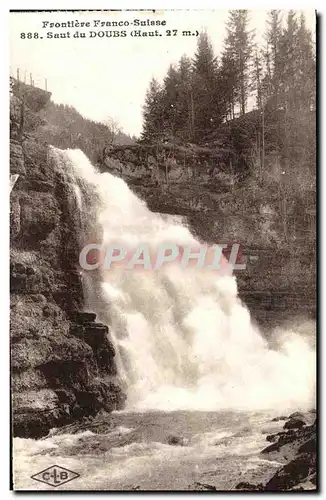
(62, 361)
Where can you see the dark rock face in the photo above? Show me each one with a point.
(62, 361)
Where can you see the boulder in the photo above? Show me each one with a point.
(277, 419)
(176, 440)
(294, 423)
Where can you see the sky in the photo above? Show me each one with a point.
(108, 77)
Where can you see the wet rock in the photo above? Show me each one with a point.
(297, 415)
(83, 317)
(174, 440)
(309, 447)
(271, 438)
(245, 486)
(34, 412)
(294, 423)
(297, 447)
(198, 486)
(292, 474)
(277, 419)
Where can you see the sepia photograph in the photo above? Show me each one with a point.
(163, 296)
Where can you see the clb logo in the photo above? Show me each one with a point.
(55, 476)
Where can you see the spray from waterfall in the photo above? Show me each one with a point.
(183, 338)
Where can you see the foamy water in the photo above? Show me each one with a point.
(217, 448)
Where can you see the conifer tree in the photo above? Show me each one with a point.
(273, 53)
(153, 112)
(186, 96)
(207, 113)
(238, 48)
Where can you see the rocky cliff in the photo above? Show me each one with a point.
(62, 361)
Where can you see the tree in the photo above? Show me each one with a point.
(153, 112)
(186, 97)
(114, 129)
(273, 53)
(171, 102)
(238, 49)
(207, 112)
(306, 68)
(228, 84)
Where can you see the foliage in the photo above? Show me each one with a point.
(65, 128)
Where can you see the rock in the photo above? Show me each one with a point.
(39, 352)
(35, 412)
(14, 215)
(297, 447)
(17, 164)
(37, 185)
(271, 438)
(83, 317)
(297, 414)
(245, 486)
(58, 374)
(175, 440)
(291, 474)
(294, 423)
(309, 447)
(198, 486)
(26, 279)
(277, 419)
(39, 216)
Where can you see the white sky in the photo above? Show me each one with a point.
(108, 77)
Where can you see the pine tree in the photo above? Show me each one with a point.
(306, 68)
(170, 97)
(257, 78)
(273, 53)
(206, 113)
(267, 83)
(238, 48)
(228, 85)
(186, 98)
(289, 61)
(153, 112)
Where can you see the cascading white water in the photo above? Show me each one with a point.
(184, 340)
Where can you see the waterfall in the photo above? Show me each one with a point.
(183, 338)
